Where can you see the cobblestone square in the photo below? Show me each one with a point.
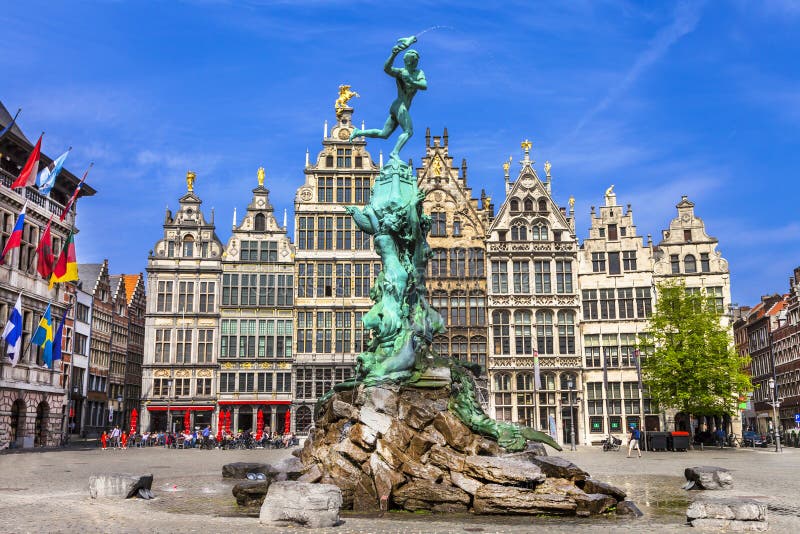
(47, 492)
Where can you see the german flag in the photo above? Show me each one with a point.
(66, 269)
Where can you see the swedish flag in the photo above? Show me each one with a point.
(43, 336)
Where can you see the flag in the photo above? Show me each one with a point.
(47, 178)
(43, 336)
(28, 174)
(638, 367)
(66, 268)
(13, 332)
(15, 239)
(57, 337)
(75, 194)
(45, 259)
(537, 378)
(10, 124)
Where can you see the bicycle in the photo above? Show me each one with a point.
(733, 441)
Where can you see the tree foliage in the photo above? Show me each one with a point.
(692, 365)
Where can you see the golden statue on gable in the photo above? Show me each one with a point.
(345, 94)
(190, 178)
(610, 191)
(260, 176)
(436, 166)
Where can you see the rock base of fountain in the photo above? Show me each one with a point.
(399, 447)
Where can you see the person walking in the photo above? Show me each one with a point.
(633, 441)
(115, 435)
(104, 440)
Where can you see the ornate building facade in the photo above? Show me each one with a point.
(256, 318)
(533, 306)
(135, 304)
(615, 276)
(457, 269)
(95, 281)
(182, 319)
(335, 265)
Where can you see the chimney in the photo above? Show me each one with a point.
(428, 136)
(445, 136)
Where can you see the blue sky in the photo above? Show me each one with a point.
(660, 99)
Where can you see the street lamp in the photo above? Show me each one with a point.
(571, 386)
(775, 405)
(169, 406)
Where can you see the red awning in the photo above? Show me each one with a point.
(180, 408)
(255, 402)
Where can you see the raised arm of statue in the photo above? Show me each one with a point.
(388, 68)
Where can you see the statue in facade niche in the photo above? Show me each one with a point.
(409, 80)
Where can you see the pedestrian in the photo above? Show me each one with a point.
(104, 440)
(115, 435)
(124, 440)
(720, 437)
(633, 440)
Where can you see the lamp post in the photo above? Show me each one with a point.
(120, 412)
(571, 386)
(775, 405)
(169, 405)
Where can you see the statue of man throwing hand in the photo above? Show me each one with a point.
(409, 79)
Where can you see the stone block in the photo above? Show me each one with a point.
(312, 474)
(312, 505)
(426, 495)
(422, 471)
(729, 525)
(738, 509)
(497, 499)
(502, 470)
(291, 467)
(379, 422)
(343, 410)
(707, 477)
(591, 485)
(446, 457)
(422, 442)
(555, 467)
(366, 497)
(462, 481)
(593, 504)
(399, 435)
(251, 492)
(455, 433)
(383, 399)
(414, 409)
(352, 451)
(363, 436)
(385, 478)
(240, 469)
(118, 485)
(628, 508)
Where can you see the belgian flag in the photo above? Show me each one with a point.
(66, 269)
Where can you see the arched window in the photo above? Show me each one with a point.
(439, 302)
(188, 246)
(456, 227)
(544, 331)
(689, 264)
(519, 232)
(566, 332)
(302, 419)
(458, 348)
(523, 337)
(548, 381)
(458, 262)
(502, 382)
(514, 205)
(477, 350)
(568, 379)
(260, 222)
(528, 205)
(525, 382)
(542, 205)
(441, 345)
(458, 309)
(500, 332)
(438, 263)
(476, 260)
(539, 232)
(477, 308)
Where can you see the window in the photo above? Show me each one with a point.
(625, 303)
(539, 232)
(475, 263)
(590, 304)
(248, 289)
(613, 263)
(519, 232)
(329, 161)
(675, 263)
(563, 276)
(82, 312)
(544, 331)
(458, 258)
(458, 349)
(185, 297)
(614, 400)
(541, 271)
(623, 231)
(305, 280)
(610, 350)
(343, 332)
(188, 246)
(502, 399)
(227, 382)
(687, 235)
(324, 280)
(514, 205)
(269, 251)
(247, 382)
(439, 301)
(265, 382)
(344, 157)
(362, 189)
(161, 386)
(361, 279)
(566, 332)
(598, 262)
(283, 382)
(612, 232)
(438, 224)
(644, 306)
(458, 309)
(304, 330)
(324, 332)
(344, 233)
(689, 264)
(325, 190)
(247, 338)
(607, 304)
(183, 346)
(542, 205)
(627, 348)
(523, 338)
(207, 296)
(499, 277)
(521, 277)
(205, 345)
(528, 205)
(163, 345)
(81, 344)
(477, 351)
(182, 387)
(305, 233)
(259, 222)
(477, 309)
(457, 227)
(594, 400)
(715, 293)
(203, 387)
(343, 278)
(500, 332)
(629, 260)
(344, 189)
(325, 233)
(359, 162)
(602, 232)
(704, 263)
(164, 296)
(591, 347)
(438, 263)
(249, 251)
(228, 329)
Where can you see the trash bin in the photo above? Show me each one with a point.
(680, 441)
(657, 441)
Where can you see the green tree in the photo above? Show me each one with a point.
(692, 365)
